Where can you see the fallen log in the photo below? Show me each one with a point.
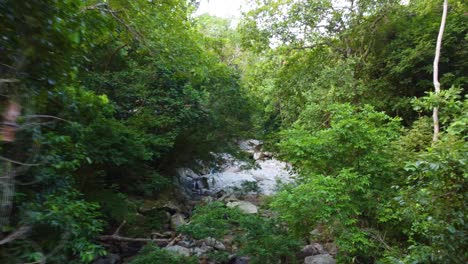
(157, 241)
(116, 237)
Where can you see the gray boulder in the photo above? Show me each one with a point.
(244, 206)
(178, 250)
(311, 250)
(108, 259)
(177, 220)
(209, 241)
(320, 259)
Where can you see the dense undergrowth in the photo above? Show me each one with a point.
(115, 95)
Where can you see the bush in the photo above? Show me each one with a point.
(264, 240)
(154, 255)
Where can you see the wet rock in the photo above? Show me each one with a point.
(239, 260)
(320, 259)
(179, 250)
(251, 145)
(167, 205)
(177, 220)
(244, 206)
(186, 172)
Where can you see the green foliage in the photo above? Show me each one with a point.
(68, 219)
(246, 187)
(126, 91)
(115, 206)
(264, 240)
(154, 255)
(355, 138)
(333, 202)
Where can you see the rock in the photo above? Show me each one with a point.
(244, 206)
(186, 172)
(185, 243)
(207, 199)
(311, 250)
(331, 248)
(179, 250)
(250, 145)
(200, 251)
(214, 243)
(108, 259)
(228, 240)
(239, 260)
(167, 205)
(320, 259)
(177, 220)
(258, 156)
(229, 198)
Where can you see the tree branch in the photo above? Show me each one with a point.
(435, 112)
(15, 235)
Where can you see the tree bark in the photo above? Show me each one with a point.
(435, 112)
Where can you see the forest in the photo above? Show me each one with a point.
(104, 101)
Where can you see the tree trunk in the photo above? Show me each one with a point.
(435, 113)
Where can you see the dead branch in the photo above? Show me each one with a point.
(175, 240)
(9, 80)
(120, 227)
(15, 235)
(157, 241)
(115, 236)
(46, 116)
(18, 162)
(104, 7)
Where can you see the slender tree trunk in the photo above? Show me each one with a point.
(435, 113)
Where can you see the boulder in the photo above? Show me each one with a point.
(320, 259)
(200, 251)
(178, 250)
(244, 206)
(209, 241)
(177, 220)
(186, 173)
(108, 259)
(311, 250)
(250, 145)
(167, 205)
(331, 248)
(239, 260)
(258, 155)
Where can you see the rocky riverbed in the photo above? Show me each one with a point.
(235, 183)
(262, 177)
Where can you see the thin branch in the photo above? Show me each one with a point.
(435, 113)
(46, 116)
(112, 56)
(104, 7)
(157, 241)
(8, 66)
(117, 237)
(15, 235)
(120, 227)
(9, 80)
(18, 162)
